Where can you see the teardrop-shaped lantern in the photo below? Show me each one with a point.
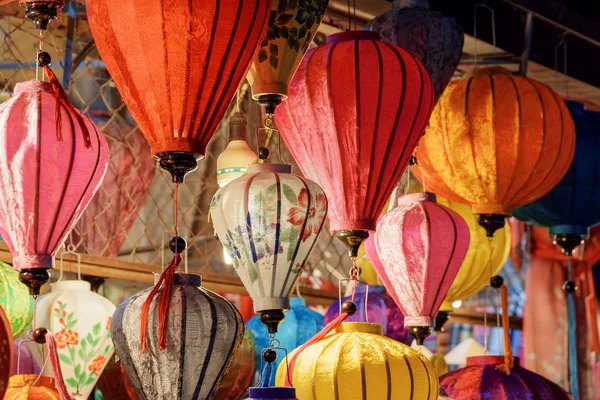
(433, 38)
(53, 161)
(269, 221)
(357, 361)
(204, 332)
(177, 66)
(421, 245)
(300, 324)
(292, 27)
(114, 384)
(80, 321)
(241, 372)
(104, 225)
(496, 142)
(15, 300)
(6, 350)
(381, 309)
(34, 387)
(356, 109)
(483, 379)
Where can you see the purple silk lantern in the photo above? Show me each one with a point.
(381, 310)
(272, 393)
(23, 361)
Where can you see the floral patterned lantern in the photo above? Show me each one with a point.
(80, 321)
(269, 220)
(6, 352)
(15, 300)
(241, 372)
(204, 332)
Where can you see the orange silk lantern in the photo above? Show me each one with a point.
(31, 387)
(177, 65)
(497, 142)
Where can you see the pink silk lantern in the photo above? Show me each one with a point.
(421, 246)
(52, 159)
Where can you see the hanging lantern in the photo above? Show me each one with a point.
(15, 300)
(463, 351)
(178, 99)
(42, 11)
(23, 361)
(6, 350)
(269, 220)
(234, 160)
(359, 359)
(497, 142)
(483, 379)
(114, 384)
(421, 245)
(104, 225)
(433, 38)
(300, 324)
(80, 322)
(204, 332)
(54, 159)
(292, 27)
(241, 372)
(381, 310)
(272, 393)
(356, 109)
(31, 387)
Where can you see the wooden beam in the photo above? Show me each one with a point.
(477, 318)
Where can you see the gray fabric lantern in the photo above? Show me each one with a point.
(203, 330)
(435, 39)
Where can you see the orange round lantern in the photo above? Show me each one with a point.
(497, 142)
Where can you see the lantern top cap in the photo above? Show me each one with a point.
(296, 302)
(272, 392)
(417, 197)
(281, 168)
(488, 360)
(29, 85)
(188, 279)
(352, 35)
(361, 327)
(74, 285)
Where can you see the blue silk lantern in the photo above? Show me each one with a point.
(381, 309)
(299, 325)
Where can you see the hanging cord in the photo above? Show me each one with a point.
(493, 16)
(562, 43)
(56, 370)
(570, 288)
(509, 358)
(487, 331)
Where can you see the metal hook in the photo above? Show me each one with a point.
(70, 249)
(562, 42)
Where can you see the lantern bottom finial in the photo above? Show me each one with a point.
(491, 223)
(270, 102)
(34, 279)
(272, 319)
(178, 163)
(420, 333)
(42, 12)
(352, 239)
(567, 242)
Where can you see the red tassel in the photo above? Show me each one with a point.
(63, 100)
(164, 286)
(509, 358)
(55, 365)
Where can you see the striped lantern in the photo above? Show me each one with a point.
(204, 332)
(269, 220)
(357, 361)
(15, 300)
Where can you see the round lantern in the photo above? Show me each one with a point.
(204, 332)
(356, 109)
(32, 387)
(269, 221)
(80, 321)
(300, 324)
(482, 379)
(234, 160)
(357, 359)
(241, 372)
(381, 309)
(114, 384)
(497, 142)
(272, 393)
(54, 159)
(292, 27)
(6, 352)
(177, 98)
(433, 38)
(421, 245)
(15, 300)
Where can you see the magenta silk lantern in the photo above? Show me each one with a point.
(53, 159)
(421, 246)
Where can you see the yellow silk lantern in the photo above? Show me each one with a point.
(367, 272)
(357, 361)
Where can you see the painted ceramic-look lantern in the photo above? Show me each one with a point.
(6, 352)
(292, 27)
(114, 384)
(80, 321)
(31, 387)
(483, 379)
(241, 372)
(300, 324)
(421, 245)
(361, 361)
(15, 300)
(381, 309)
(53, 161)
(178, 99)
(433, 38)
(269, 221)
(204, 332)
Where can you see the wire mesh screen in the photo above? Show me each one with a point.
(132, 216)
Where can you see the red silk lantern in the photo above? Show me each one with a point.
(421, 245)
(53, 159)
(356, 110)
(177, 65)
